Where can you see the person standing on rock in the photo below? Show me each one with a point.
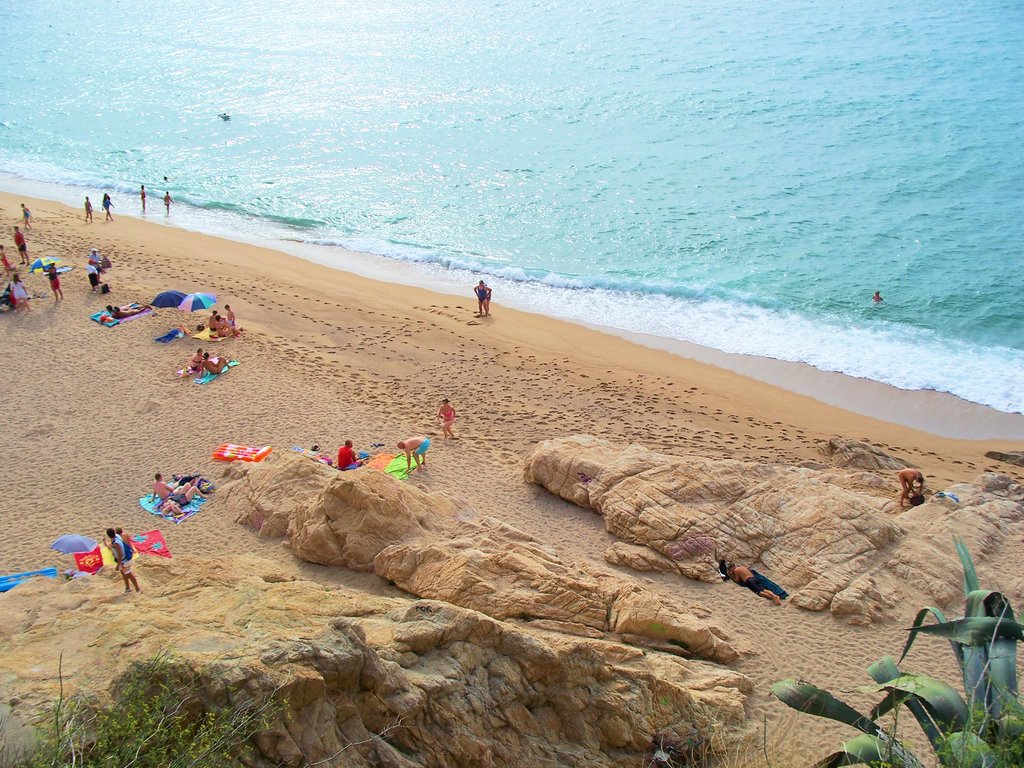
(752, 580)
(415, 448)
(908, 477)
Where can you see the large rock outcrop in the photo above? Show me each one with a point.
(860, 455)
(431, 546)
(450, 687)
(834, 538)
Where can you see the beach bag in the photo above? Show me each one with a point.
(126, 544)
(105, 288)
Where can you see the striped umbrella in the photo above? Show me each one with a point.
(195, 301)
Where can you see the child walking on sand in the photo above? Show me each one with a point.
(51, 272)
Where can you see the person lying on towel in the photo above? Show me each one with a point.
(120, 313)
(214, 364)
(752, 580)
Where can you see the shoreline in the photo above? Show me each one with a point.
(938, 413)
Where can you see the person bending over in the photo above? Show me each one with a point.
(415, 448)
(908, 478)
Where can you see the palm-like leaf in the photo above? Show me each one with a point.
(868, 750)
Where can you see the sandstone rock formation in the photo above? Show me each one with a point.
(860, 455)
(833, 538)
(449, 686)
(1013, 457)
(431, 546)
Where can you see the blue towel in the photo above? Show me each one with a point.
(170, 336)
(8, 583)
(151, 503)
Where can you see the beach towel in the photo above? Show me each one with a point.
(10, 582)
(170, 336)
(208, 376)
(232, 452)
(110, 322)
(380, 461)
(207, 335)
(151, 503)
(90, 562)
(151, 543)
(397, 467)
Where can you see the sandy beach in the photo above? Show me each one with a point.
(93, 412)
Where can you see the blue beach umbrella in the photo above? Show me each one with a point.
(39, 265)
(70, 543)
(195, 301)
(168, 299)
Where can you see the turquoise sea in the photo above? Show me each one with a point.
(738, 174)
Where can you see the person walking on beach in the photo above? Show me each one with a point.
(19, 240)
(7, 265)
(167, 202)
(51, 273)
(107, 205)
(142, 197)
(483, 299)
(123, 555)
(752, 580)
(415, 448)
(19, 294)
(446, 415)
(88, 210)
(908, 477)
(26, 215)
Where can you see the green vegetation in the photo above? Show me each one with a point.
(983, 729)
(154, 721)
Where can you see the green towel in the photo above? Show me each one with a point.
(397, 467)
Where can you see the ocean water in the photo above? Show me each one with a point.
(736, 174)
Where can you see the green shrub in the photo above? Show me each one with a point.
(154, 721)
(984, 728)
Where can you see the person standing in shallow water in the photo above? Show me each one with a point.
(877, 298)
(167, 202)
(142, 197)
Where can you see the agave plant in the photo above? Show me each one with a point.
(984, 728)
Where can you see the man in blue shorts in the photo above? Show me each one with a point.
(415, 448)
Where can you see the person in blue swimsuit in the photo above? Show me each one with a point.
(483, 299)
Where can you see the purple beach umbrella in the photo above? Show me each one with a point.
(72, 543)
(195, 301)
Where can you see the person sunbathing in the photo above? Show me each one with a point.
(120, 313)
(752, 580)
(182, 493)
(214, 365)
(170, 506)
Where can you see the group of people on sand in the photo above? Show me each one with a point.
(174, 498)
(223, 326)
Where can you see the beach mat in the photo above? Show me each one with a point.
(11, 581)
(397, 467)
(232, 452)
(151, 502)
(207, 376)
